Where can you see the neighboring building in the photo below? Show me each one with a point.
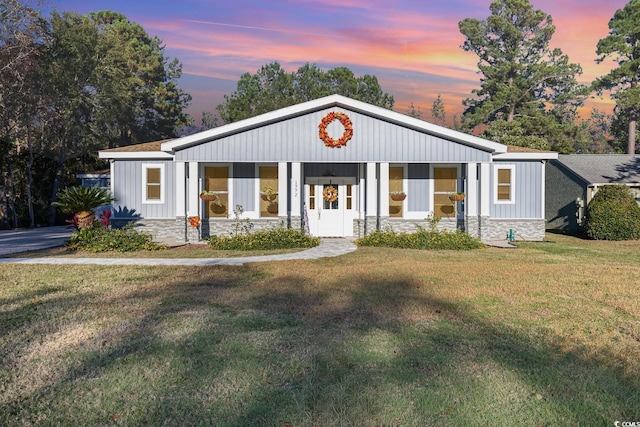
(334, 163)
(100, 179)
(572, 180)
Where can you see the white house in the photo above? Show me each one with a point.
(337, 167)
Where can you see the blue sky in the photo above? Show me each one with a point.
(412, 46)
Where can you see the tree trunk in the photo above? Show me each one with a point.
(56, 187)
(30, 179)
(631, 141)
(11, 197)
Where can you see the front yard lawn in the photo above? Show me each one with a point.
(548, 334)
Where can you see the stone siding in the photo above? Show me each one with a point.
(524, 229)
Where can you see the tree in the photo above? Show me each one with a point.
(414, 111)
(272, 88)
(623, 44)
(22, 32)
(523, 80)
(437, 111)
(137, 95)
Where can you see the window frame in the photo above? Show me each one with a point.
(512, 184)
(145, 184)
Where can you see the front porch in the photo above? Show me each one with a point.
(332, 200)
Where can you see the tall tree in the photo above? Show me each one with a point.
(623, 45)
(272, 88)
(414, 111)
(523, 80)
(437, 111)
(137, 94)
(22, 32)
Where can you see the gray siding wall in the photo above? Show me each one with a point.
(297, 140)
(244, 184)
(128, 191)
(528, 191)
(418, 188)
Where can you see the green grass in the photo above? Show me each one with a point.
(548, 334)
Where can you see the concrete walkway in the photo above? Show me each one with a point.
(328, 248)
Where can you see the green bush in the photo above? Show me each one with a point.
(273, 238)
(613, 214)
(422, 239)
(100, 239)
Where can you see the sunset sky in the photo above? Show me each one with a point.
(411, 46)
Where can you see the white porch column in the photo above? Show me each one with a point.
(181, 179)
(282, 189)
(485, 189)
(471, 200)
(372, 191)
(384, 189)
(193, 204)
(296, 188)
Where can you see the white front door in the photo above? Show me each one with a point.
(330, 207)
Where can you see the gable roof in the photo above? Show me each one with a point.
(167, 148)
(603, 168)
(328, 102)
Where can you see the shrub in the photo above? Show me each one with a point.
(422, 239)
(100, 239)
(273, 238)
(613, 214)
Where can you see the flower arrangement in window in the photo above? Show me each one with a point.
(346, 136)
(457, 196)
(330, 194)
(209, 196)
(268, 194)
(397, 196)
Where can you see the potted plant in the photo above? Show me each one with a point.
(268, 194)
(81, 201)
(398, 196)
(458, 196)
(209, 196)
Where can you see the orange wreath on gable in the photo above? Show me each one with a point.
(330, 194)
(346, 136)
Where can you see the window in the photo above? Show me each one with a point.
(217, 179)
(268, 191)
(396, 175)
(152, 183)
(504, 178)
(445, 183)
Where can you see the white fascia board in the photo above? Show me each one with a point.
(526, 156)
(328, 102)
(130, 155)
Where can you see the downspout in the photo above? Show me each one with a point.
(185, 182)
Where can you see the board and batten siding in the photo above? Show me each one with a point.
(244, 186)
(128, 192)
(296, 140)
(528, 191)
(418, 195)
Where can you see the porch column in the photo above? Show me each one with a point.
(296, 189)
(181, 179)
(485, 197)
(283, 183)
(471, 201)
(193, 204)
(371, 198)
(384, 189)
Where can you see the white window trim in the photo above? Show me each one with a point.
(145, 167)
(255, 214)
(230, 185)
(512, 193)
(432, 186)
